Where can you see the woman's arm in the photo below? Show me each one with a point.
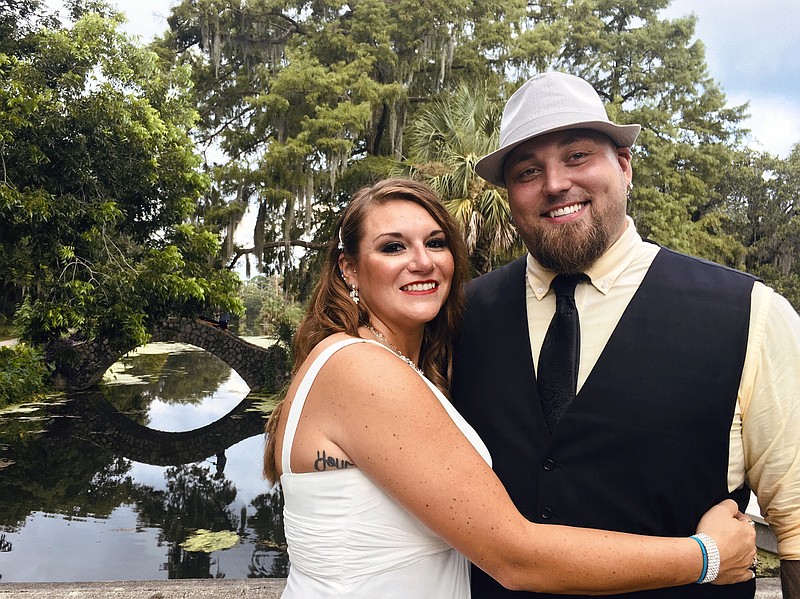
(387, 421)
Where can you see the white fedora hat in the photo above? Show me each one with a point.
(546, 103)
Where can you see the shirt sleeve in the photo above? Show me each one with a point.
(770, 405)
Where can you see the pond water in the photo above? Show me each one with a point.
(75, 510)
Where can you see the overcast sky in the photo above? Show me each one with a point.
(752, 51)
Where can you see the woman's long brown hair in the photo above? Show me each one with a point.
(332, 310)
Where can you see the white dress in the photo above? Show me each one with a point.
(348, 538)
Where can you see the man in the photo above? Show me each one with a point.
(687, 375)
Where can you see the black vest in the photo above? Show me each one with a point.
(644, 446)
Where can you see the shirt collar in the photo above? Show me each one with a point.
(603, 273)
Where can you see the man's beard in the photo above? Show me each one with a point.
(571, 248)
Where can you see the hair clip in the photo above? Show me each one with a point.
(341, 242)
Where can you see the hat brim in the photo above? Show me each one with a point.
(490, 167)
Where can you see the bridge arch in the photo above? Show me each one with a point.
(82, 365)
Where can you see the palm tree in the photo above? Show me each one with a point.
(445, 142)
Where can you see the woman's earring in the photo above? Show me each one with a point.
(354, 293)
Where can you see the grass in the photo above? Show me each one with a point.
(769, 566)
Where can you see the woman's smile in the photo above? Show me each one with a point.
(405, 267)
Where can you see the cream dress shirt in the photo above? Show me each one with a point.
(765, 432)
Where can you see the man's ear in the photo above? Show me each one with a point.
(624, 158)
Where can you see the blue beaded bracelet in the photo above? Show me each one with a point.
(705, 559)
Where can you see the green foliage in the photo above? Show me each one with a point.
(300, 95)
(306, 98)
(268, 309)
(252, 295)
(762, 199)
(100, 179)
(649, 70)
(7, 328)
(445, 141)
(278, 313)
(768, 565)
(111, 221)
(23, 374)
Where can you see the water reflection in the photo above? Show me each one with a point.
(73, 510)
(165, 385)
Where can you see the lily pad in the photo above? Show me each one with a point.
(207, 541)
(21, 409)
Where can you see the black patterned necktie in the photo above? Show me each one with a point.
(557, 376)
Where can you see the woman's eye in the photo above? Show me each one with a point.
(437, 243)
(393, 248)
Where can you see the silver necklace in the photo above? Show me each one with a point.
(394, 349)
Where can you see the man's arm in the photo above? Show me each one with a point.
(770, 421)
(790, 579)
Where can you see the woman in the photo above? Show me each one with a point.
(381, 476)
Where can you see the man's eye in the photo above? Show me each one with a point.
(393, 248)
(527, 173)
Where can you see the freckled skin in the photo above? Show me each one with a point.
(363, 392)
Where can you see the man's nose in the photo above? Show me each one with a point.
(556, 180)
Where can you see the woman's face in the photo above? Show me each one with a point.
(405, 267)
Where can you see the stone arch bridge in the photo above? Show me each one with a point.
(82, 365)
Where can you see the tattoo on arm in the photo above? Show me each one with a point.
(324, 462)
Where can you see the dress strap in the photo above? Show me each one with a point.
(300, 398)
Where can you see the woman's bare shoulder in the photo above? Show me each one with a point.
(357, 367)
(366, 356)
(363, 364)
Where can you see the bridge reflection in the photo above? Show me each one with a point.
(95, 419)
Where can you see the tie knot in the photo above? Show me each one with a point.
(564, 285)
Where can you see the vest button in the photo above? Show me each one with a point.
(547, 513)
(548, 464)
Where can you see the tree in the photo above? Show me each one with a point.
(445, 141)
(99, 178)
(16, 17)
(309, 101)
(285, 118)
(762, 195)
(649, 71)
(268, 308)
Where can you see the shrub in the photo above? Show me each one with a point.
(23, 374)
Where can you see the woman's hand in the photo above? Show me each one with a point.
(735, 536)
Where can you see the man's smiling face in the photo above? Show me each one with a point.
(568, 194)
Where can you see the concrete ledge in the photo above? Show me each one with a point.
(263, 588)
(768, 588)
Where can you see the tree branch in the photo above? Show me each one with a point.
(310, 245)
